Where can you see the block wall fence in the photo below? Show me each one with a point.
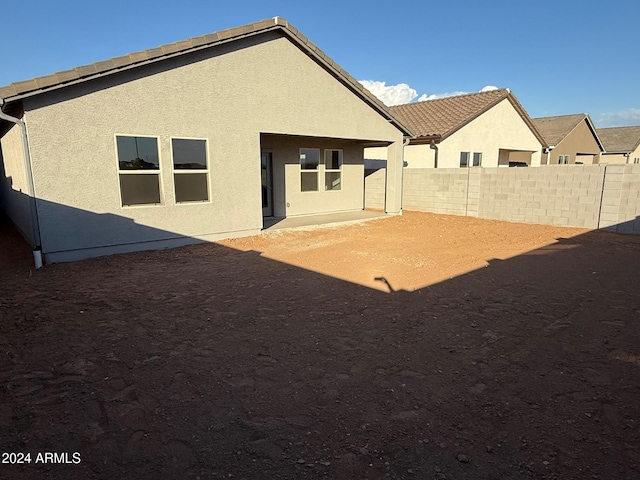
(590, 196)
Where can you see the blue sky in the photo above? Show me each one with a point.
(558, 57)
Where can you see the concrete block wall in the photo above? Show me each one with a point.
(591, 196)
(621, 199)
(554, 195)
(438, 191)
(374, 189)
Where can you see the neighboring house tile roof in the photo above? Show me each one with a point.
(620, 139)
(18, 90)
(556, 129)
(437, 119)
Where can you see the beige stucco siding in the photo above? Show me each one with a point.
(619, 158)
(500, 130)
(14, 191)
(579, 141)
(229, 99)
(501, 127)
(290, 200)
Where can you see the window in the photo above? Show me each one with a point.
(464, 159)
(477, 159)
(139, 170)
(563, 159)
(333, 169)
(190, 170)
(636, 160)
(309, 163)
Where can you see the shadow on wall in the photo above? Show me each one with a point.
(69, 233)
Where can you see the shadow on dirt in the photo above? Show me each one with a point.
(206, 362)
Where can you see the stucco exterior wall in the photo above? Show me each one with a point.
(228, 97)
(619, 158)
(579, 141)
(614, 158)
(289, 200)
(14, 189)
(501, 127)
(500, 130)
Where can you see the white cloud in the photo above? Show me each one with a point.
(630, 116)
(390, 94)
(402, 93)
(435, 96)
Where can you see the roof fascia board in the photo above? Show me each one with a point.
(593, 131)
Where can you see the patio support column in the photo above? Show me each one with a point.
(393, 198)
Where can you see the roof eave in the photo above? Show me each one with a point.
(135, 64)
(231, 35)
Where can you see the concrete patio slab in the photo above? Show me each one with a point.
(274, 223)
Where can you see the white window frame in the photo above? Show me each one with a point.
(308, 171)
(473, 159)
(157, 172)
(563, 159)
(333, 170)
(188, 171)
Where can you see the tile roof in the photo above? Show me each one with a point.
(35, 86)
(555, 129)
(444, 116)
(620, 139)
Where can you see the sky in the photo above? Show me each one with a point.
(558, 57)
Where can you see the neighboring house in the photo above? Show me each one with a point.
(621, 144)
(570, 139)
(487, 129)
(193, 141)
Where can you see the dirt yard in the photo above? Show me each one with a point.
(416, 347)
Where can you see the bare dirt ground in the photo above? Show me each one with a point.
(421, 346)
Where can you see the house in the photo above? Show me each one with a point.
(572, 139)
(621, 144)
(193, 141)
(487, 129)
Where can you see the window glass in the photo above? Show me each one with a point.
(191, 188)
(190, 176)
(333, 181)
(309, 158)
(138, 153)
(464, 159)
(139, 189)
(333, 159)
(139, 165)
(477, 159)
(189, 154)
(309, 181)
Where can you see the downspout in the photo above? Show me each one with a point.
(35, 223)
(405, 143)
(433, 146)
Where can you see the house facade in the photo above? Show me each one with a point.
(194, 141)
(486, 129)
(572, 139)
(621, 144)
